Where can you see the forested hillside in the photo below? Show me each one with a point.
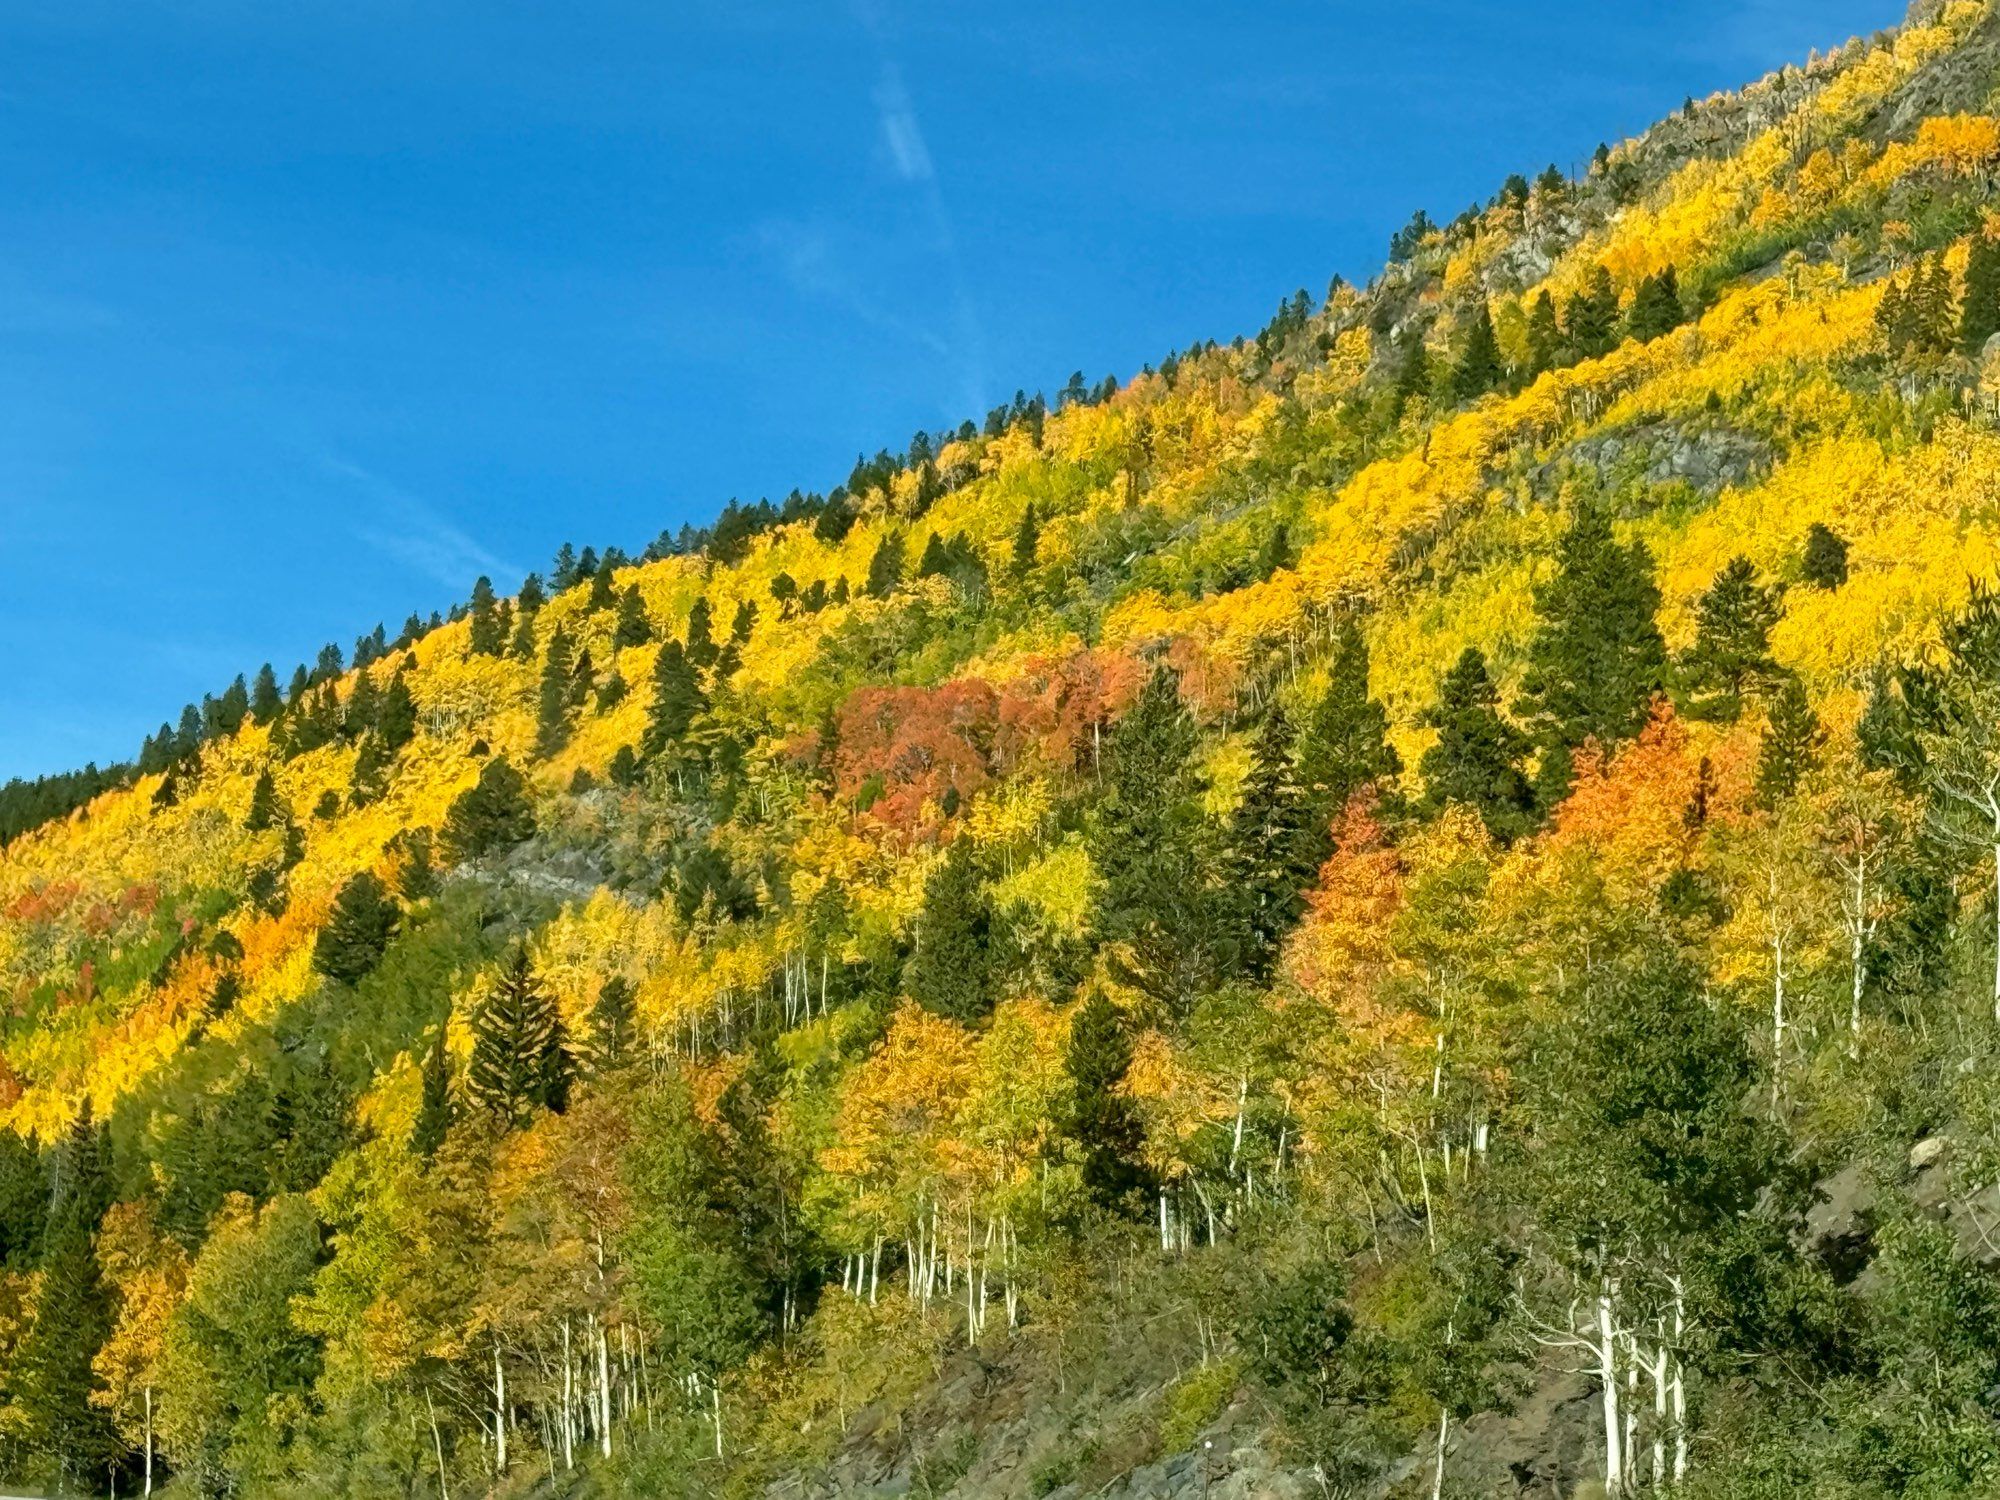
(1406, 906)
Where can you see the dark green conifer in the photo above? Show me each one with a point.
(699, 639)
(434, 1110)
(677, 698)
(263, 803)
(1791, 746)
(1597, 660)
(357, 933)
(1731, 655)
(1344, 744)
(1545, 336)
(1825, 563)
(1478, 368)
(265, 702)
(520, 1058)
(632, 628)
(396, 718)
(1590, 319)
(950, 973)
(885, 568)
(495, 813)
(1027, 539)
(1979, 318)
(1102, 1120)
(1271, 850)
(613, 1018)
(558, 683)
(486, 634)
(1477, 758)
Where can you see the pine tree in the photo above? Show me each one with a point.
(1477, 758)
(603, 592)
(486, 635)
(1545, 337)
(265, 702)
(263, 803)
(1478, 368)
(936, 561)
(950, 973)
(357, 933)
(624, 767)
(558, 679)
(1344, 745)
(1153, 846)
(67, 1437)
(1979, 318)
(1791, 746)
(677, 698)
(396, 718)
(1271, 850)
(1027, 539)
(1102, 1120)
(1731, 655)
(632, 628)
(699, 644)
(612, 1017)
(434, 1110)
(1597, 660)
(493, 814)
(1656, 307)
(370, 774)
(885, 568)
(520, 1058)
(1590, 320)
(357, 715)
(743, 622)
(1825, 562)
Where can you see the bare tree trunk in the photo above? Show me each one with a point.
(499, 1412)
(1607, 1377)
(149, 1440)
(603, 1390)
(437, 1444)
(1437, 1475)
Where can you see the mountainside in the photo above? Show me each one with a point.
(1407, 906)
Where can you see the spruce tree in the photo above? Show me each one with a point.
(624, 767)
(396, 718)
(1656, 307)
(699, 640)
(612, 1026)
(1027, 539)
(1271, 850)
(371, 772)
(936, 561)
(1344, 745)
(1590, 319)
(1597, 660)
(1792, 741)
(66, 1436)
(677, 698)
(1731, 655)
(1477, 758)
(950, 973)
(552, 713)
(434, 1110)
(493, 814)
(1102, 1121)
(357, 933)
(885, 568)
(265, 701)
(743, 622)
(632, 628)
(263, 803)
(1979, 318)
(520, 1058)
(1545, 337)
(1825, 563)
(358, 714)
(486, 634)
(1153, 846)
(1478, 368)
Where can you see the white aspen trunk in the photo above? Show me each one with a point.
(603, 1390)
(1437, 1474)
(149, 1440)
(437, 1445)
(715, 1410)
(568, 1403)
(1996, 914)
(1659, 1374)
(1632, 1363)
(1680, 1388)
(1166, 1240)
(1607, 1375)
(499, 1412)
(1778, 1018)
(1236, 1141)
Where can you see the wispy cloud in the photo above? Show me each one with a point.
(404, 526)
(901, 132)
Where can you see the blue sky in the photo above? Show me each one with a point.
(312, 312)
